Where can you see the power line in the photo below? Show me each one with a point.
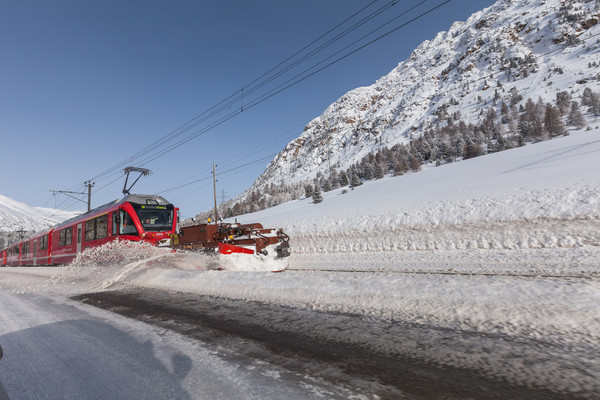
(154, 151)
(211, 111)
(216, 109)
(220, 174)
(280, 89)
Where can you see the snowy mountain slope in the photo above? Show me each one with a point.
(15, 215)
(535, 48)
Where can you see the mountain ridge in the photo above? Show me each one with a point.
(504, 39)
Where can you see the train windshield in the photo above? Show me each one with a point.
(155, 218)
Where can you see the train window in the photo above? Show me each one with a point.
(43, 243)
(102, 226)
(126, 226)
(115, 223)
(155, 218)
(25, 248)
(65, 236)
(96, 228)
(90, 229)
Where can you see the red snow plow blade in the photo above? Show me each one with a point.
(229, 238)
(225, 248)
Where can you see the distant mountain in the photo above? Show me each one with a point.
(520, 54)
(16, 216)
(539, 47)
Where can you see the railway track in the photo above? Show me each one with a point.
(587, 275)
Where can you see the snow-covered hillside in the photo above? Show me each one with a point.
(539, 199)
(532, 49)
(15, 215)
(17, 219)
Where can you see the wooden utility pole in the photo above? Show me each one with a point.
(89, 185)
(215, 192)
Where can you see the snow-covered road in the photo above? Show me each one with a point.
(531, 331)
(60, 349)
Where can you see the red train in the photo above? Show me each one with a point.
(134, 217)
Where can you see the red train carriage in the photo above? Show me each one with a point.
(13, 255)
(134, 217)
(41, 248)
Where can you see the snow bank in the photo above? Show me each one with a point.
(538, 197)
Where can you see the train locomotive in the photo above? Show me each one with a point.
(135, 217)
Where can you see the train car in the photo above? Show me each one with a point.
(13, 255)
(41, 255)
(134, 217)
(36, 250)
(2, 258)
(26, 257)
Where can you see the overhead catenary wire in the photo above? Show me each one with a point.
(260, 100)
(266, 143)
(291, 82)
(214, 111)
(210, 112)
(221, 173)
(299, 78)
(281, 88)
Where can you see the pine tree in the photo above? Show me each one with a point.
(576, 117)
(563, 102)
(415, 164)
(531, 120)
(343, 179)
(308, 191)
(594, 104)
(586, 97)
(553, 122)
(504, 111)
(355, 181)
(379, 171)
(472, 150)
(317, 196)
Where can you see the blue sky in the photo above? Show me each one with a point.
(87, 85)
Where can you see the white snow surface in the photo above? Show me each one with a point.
(506, 244)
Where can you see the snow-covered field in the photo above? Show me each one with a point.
(506, 245)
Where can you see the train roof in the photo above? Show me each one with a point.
(146, 199)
